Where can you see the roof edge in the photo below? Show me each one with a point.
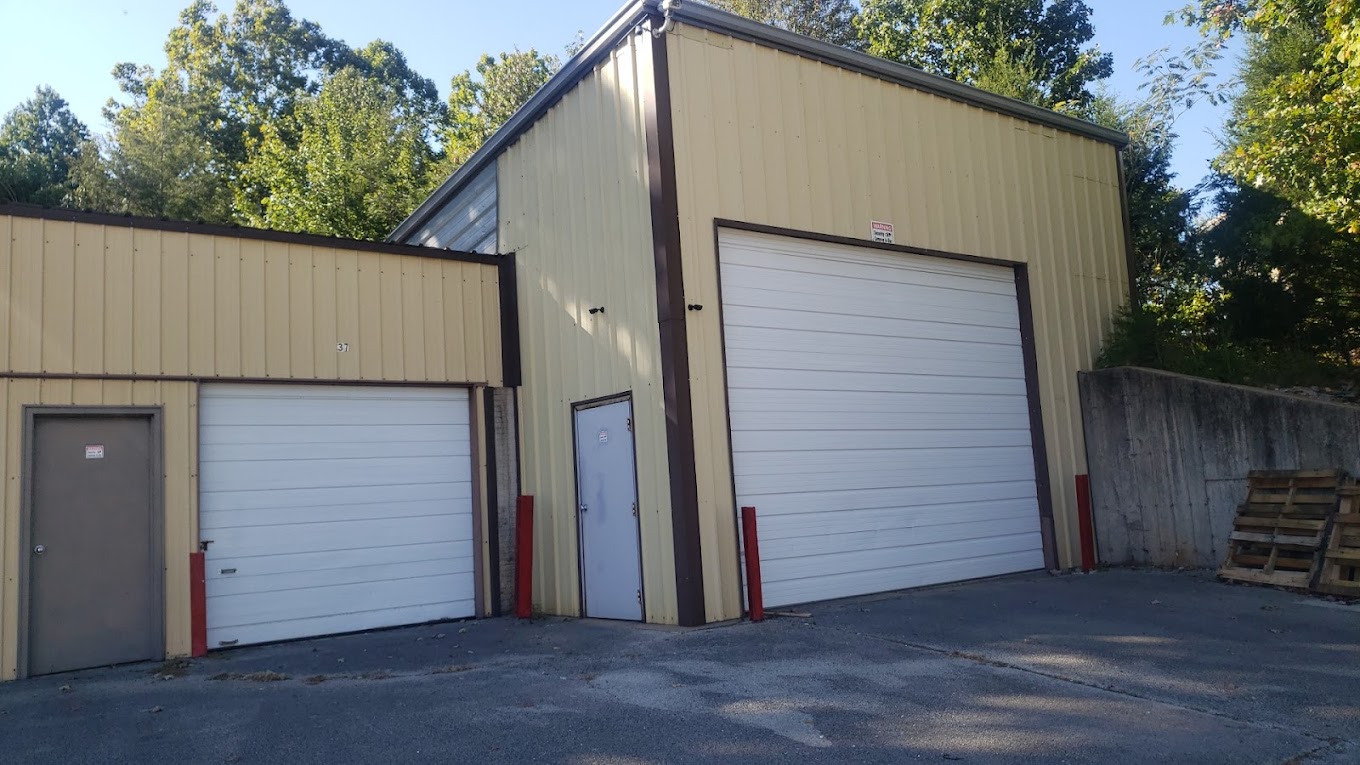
(717, 20)
(707, 17)
(70, 215)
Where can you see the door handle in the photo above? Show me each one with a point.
(39, 549)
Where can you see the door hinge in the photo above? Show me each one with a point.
(635, 510)
(630, 424)
(639, 594)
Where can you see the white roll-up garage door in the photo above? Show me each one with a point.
(333, 508)
(880, 422)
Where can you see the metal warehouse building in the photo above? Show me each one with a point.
(755, 269)
(214, 436)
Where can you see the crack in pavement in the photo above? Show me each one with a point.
(1326, 742)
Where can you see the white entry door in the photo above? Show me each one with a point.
(332, 509)
(606, 487)
(880, 422)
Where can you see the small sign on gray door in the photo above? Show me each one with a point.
(94, 451)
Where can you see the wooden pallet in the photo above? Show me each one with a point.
(1279, 532)
(1340, 571)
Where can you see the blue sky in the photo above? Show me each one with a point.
(73, 44)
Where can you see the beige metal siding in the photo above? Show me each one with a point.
(89, 299)
(179, 402)
(575, 209)
(766, 137)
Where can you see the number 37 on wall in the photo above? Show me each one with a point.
(341, 347)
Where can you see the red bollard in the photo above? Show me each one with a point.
(754, 600)
(1085, 525)
(524, 557)
(198, 606)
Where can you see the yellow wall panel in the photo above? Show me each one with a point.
(89, 299)
(770, 138)
(574, 207)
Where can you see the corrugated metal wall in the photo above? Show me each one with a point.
(162, 303)
(468, 221)
(766, 137)
(575, 209)
(180, 422)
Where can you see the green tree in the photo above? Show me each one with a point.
(828, 20)
(180, 134)
(40, 141)
(351, 161)
(479, 104)
(1295, 126)
(1034, 49)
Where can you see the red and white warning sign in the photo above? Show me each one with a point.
(881, 231)
(94, 451)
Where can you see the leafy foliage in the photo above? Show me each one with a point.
(1295, 129)
(479, 104)
(40, 141)
(827, 20)
(986, 43)
(355, 164)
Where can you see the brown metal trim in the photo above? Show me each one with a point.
(727, 406)
(493, 526)
(1042, 485)
(1130, 257)
(243, 380)
(479, 506)
(511, 369)
(670, 311)
(813, 236)
(240, 232)
(157, 453)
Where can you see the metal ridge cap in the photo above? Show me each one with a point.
(627, 17)
(721, 21)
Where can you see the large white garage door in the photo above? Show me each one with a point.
(332, 509)
(879, 417)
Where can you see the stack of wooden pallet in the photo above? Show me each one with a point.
(1280, 531)
(1340, 574)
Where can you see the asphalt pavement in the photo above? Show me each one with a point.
(1112, 667)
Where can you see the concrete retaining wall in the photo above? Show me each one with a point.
(1168, 457)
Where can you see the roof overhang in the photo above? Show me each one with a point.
(627, 19)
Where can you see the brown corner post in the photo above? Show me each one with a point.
(524, 557)
(755, 600)
(198, 605)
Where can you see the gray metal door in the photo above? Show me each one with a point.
(606, 487)
(93, 554)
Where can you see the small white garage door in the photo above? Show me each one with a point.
(880, 422)
(333, 508)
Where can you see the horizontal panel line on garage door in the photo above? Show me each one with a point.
(869, 382)
(887, 559)
(214, 572)
(431, 604)
(747, 363)
(857, 364)
(901, 539)
(772, 399)
(359, 545)
(897, 269)
(903, 308)
(862, 322)
(770, 421)
(309, 587)
(252, 524)
(287, 453)
(915, 575)
(223, 434)
(801, 340)
(293, 563)
(788, 487)
(769, 517)
(814, 502)
(232, 500)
